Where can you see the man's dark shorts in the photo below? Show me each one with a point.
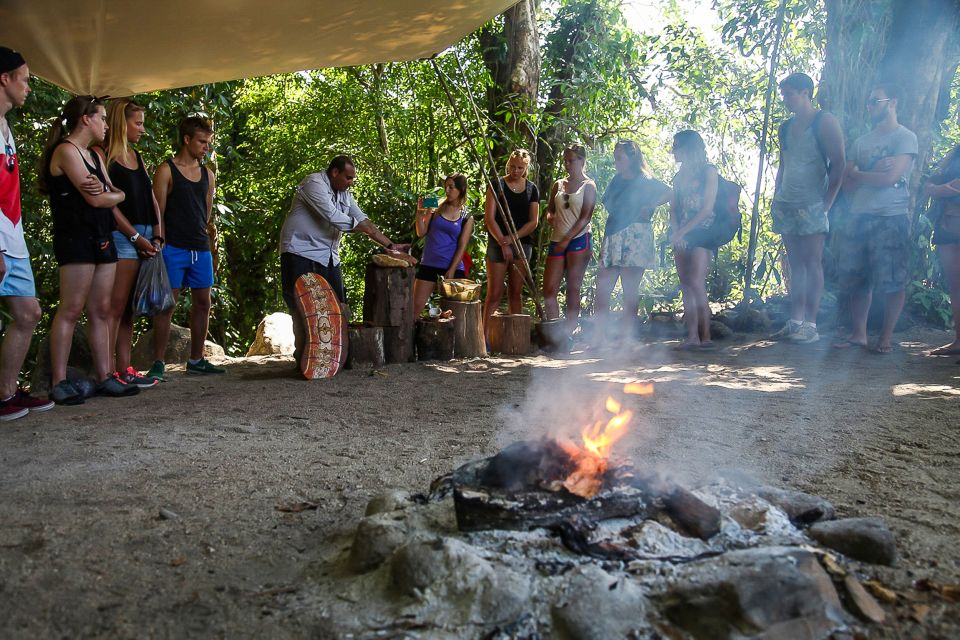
(875, 251)
(947, 230)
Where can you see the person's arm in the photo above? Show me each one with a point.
(885, 173)
(710, 184)
(317, 196)
(831, 136)
(946, 190)
(142, 244)
(423, 218)
(466, 231)
(71, 164)
(552, 202)
(663, 197)
(158, 239)
(490, 215)
(586, 215)
(395, 250)
(211, 192)
(532, 223)
(162, 183)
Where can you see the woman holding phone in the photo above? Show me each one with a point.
(447, 228)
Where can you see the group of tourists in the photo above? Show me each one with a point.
(109, 216)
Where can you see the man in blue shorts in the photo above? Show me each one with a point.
(17, 290)
(876, 239)
(184, 188)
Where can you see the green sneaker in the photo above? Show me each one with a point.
(156, 371)
(203, 367)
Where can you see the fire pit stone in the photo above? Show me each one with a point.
(597, 605)
(866, 539)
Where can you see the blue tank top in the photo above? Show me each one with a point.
(441, 242)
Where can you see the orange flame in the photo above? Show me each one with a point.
(598, 440)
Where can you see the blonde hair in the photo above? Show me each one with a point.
(119, 111)
(524, 157)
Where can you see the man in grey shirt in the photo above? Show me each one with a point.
(876, 241)
(808, 179)
(323, 210)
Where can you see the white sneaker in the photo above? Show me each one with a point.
(806, 334)
(788, 330)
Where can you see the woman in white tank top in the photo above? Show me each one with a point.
(569, 211)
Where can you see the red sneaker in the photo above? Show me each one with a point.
(9, 411)
(26, 401)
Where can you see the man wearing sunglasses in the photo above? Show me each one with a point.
(17, 288)
(876, 238)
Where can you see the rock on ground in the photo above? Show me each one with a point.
(866, 539)
(178, 349)
(801, 508)
(597, 606)
(274, 336)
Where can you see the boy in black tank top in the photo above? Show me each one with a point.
(184, 189)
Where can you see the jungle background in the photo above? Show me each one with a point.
(544, 74)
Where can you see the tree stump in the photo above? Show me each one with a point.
(365, 349)
(510, 334)
(435, 338)
(387, 297)
(468, 328)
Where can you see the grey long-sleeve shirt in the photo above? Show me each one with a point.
(318, 218)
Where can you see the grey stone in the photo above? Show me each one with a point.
(771, 593)
(866, 539)
(597, 606)
(719, 331)
(750, 321)
(178, 348)
(750, 514)
(452, 572)
(387, 501)
(801, 508)
(274, 336)
(376, 538)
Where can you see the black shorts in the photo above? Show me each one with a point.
(495, 255)
(293, 266)
(84, 250)
(702, 237)
(431, 274)
(947, 230)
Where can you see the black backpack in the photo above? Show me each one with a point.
(782, 138)
(727, 221)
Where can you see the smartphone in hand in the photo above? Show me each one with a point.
(431, 202)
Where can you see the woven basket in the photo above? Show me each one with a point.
(460, 289)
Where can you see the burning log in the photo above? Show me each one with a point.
(694, 516)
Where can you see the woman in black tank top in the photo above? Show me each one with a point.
(139, 235)
(81, 201)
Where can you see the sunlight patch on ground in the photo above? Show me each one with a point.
(911, 389)
(766, 379)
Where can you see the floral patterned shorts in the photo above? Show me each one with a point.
(630, 247)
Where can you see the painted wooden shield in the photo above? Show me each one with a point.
(326, 348)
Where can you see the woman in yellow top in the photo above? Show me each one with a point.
(569, 211)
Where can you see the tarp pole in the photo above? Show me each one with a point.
(755, 214)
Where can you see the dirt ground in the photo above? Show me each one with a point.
(84, 552)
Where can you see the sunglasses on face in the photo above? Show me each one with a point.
(11, 162)
(872, 102)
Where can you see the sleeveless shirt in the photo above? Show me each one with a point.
(137, 207)
(185, 218)
(441, 242)
(73, 216)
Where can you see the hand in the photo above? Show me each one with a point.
(550, 217)
(91, 185)
(507, 252)
(679, 240)
(452, 271)
(398, 248)
(157, 245)
(562, 245)
(883, 164)
(145, 247)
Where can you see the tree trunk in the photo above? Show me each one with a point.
(512, 56)
(468, 328)
(510, 334)
(435, 339)
(365, 347)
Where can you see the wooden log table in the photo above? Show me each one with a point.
(387, 297)
(468, 339)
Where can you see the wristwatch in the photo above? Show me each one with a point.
(134, 238)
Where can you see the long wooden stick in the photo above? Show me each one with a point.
(502, 208)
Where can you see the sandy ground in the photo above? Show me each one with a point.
(83, 552)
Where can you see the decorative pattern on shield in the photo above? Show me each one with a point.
(326, 348)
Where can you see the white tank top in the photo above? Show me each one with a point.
(566, 211)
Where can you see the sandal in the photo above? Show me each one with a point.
(947, 350)
(848, 344)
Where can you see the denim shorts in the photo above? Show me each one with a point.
(125, 249)
(875, 250)
(577, 245)
(186, 268)
(18, 279)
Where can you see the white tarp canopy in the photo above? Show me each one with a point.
(122, 47)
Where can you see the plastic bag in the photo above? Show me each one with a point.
(152, 295)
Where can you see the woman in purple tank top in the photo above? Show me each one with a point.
(447, 229)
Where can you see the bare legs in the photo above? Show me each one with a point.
(497, 273)
(805, 256)
(574, 266)
(630, 282)
(199, 324)
(421, 293)
(950, 259)
(83, 285)
(121, 321)
(860, 300)
(25, 313)
(692, 265)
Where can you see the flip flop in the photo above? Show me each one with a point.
(848, 344)
(686, 346)
(943, 351)
(707, 346)
(882, 351)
